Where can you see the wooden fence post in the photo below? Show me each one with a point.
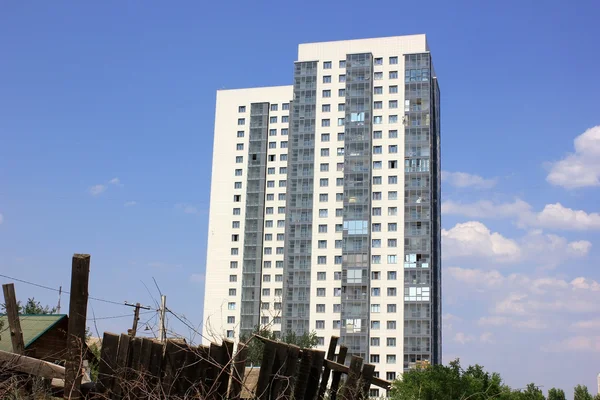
(108, 361)
(327, 371)
(12, 313)
(80, 273)
(303, 374)
(337, 376)
(315, 374)
(366, 378)
(239, 369)
(350, 390)
(264, 377)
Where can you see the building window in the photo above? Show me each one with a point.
(322, 228)
(393, 74)
(232, 292)
(377, 149)
(342, 78)
(392, 195)
(390, 376)
(267, 264)
(393, 104)
(233, 264)
(340, 151)
(391, 308)
(376, 243)
(391, 325)
(320, 324)
(283, 145)
(377, 76)
(240, 134)
(378, 105)
(268, 237)
(232, 278)
(376, 227)
(323, 213)
(375, 275)
(272, 145)
(390, 359)
(378, 61)
(326, 107)
(376, 195)
(342, 63)
(337, 308)
(341, 121)
(377, 135)
(373, 393)
(378, 90)
(393, 60)
(337, 276)
(375, 308)
(324, 137)
(341, 107)
(327, 79)
(375, 292)
(325, 122)
(241, 121)
(327, 65)
(376, 211)
(393, 119)
(324, 167)
(392, 211)
(269, 223)
(281, 223)
(231, 306)
(327, 93)
(341, 92)
(337, 260)
(237, 211)
(393, 89)
(285, 119)
(340, 166)
(280, 237)
(284, 131)
(323, 197)
(242, 109)
(278, 278)
(320, 292)
(268, 250)
(266, 278)
(273, 120)
(239, 159)
(393, 134)
(340, 137)
(391, 292)
(321, 276)
(285, 106)
(320, 308)
(375, 325)
(392, 227)
(377, 119)
(324, 152)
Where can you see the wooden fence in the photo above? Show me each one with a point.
(143, 368)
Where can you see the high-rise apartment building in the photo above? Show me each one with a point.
(325, 203)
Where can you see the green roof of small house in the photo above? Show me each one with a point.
(32, 325)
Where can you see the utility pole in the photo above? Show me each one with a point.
(59, 294)
(14, 323)
(136, 318)
(162, 332)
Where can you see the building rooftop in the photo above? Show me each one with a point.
(32, 325)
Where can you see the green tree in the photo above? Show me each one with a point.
(256, 347)
(556, 394)
(451, 382)
(581, 393)
(32, 307)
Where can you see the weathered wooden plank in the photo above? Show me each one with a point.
(266, 369)
(340, 368)
(202, 372)
(239, 369)
(350, 390)
(337, 373)
(172, 361)
(291, 366)
(31, 366)
(279, 380)
(315, 374)
(303, 374)
(122, 365)
(225, 372)
(12, 314)
(108, 361)
(326, 370)
(80, 273)
(366, 377)
(216, 361)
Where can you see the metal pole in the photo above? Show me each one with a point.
(162, 333)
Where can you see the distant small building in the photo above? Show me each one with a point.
(45, 335)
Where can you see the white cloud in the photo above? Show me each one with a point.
(130, 203)
(553, 216)
(197, 278)
(474, 239)
(574, 343)
(463, 180)
(487, 337)
(556, 216)
(493, 320)
(97, 189)
(582, 168)
(587, 324)
(476, 276)
(581, 283)
(188, 208)
(485, 209)
(115, 181)
(463, 338)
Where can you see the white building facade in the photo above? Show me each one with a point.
(325, 204)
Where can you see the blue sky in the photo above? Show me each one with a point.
(106, 124)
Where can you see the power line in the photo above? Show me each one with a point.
(57, 290)
(187, 324)
(118, 316)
